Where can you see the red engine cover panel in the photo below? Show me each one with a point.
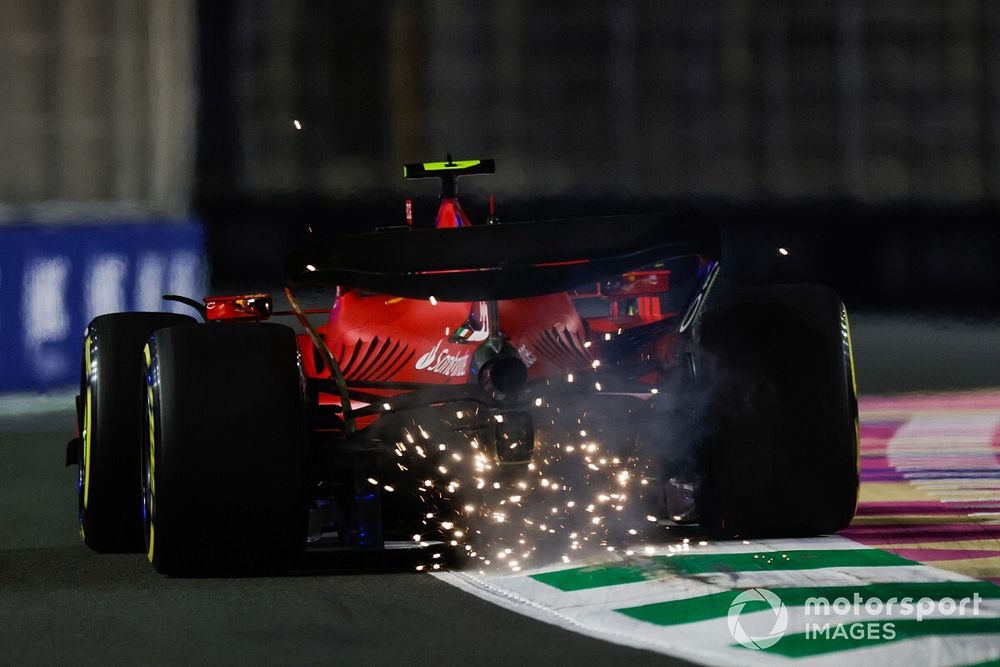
(380, 338)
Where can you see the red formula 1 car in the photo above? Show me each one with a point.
(227, 445)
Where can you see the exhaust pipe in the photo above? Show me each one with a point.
(500, 371)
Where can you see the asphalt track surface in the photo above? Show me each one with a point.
(60, 603)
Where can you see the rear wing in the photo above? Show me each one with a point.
(503, 261)
(448, 172)
(454, 167)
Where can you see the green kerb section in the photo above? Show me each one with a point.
(803, 646)
(805, 559)
(988, 663)
(716, 605)
(598, 576)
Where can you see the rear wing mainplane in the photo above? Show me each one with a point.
(502, 261)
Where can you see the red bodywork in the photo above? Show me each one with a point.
(239, 307)
(386, 340)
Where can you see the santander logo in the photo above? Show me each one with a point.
(442, 362)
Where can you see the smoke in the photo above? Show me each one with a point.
(610, 472)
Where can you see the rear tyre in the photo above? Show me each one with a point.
(224, 486)
(780, 451)
(110, 425)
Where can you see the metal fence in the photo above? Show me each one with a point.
(744, 99)
(97, 108)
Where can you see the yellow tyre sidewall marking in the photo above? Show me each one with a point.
(151, 420)
(88, 418)
(854, 388)
(854, 384)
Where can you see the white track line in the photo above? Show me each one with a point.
(26, 404)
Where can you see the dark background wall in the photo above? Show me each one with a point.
(864, 137)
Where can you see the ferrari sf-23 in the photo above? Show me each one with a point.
(227, 445)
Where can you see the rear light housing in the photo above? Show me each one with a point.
(243, 307)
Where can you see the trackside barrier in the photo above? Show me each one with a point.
(56, 278)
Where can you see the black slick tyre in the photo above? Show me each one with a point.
(110, 420)
(224, 483)
(779, 447)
